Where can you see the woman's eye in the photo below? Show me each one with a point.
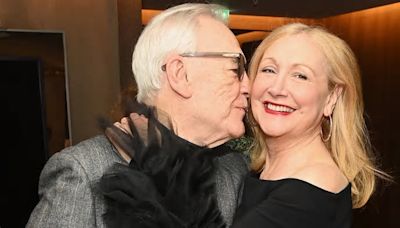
(268, 70)
(301, 76)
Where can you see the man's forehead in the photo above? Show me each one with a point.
(213, 35)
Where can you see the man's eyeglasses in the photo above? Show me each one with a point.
(240, 59)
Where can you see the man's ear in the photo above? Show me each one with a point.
(332, 99)
(176, 74)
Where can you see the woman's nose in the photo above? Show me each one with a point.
(278, 86)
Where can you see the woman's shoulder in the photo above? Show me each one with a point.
(325, 176)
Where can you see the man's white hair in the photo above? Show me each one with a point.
(172, 31)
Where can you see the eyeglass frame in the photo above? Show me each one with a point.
(241, 60)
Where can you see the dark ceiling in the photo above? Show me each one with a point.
(282, 8)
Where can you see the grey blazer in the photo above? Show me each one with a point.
(68, 191)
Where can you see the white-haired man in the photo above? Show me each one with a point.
(188, 64)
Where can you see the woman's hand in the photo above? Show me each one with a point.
(139, 122)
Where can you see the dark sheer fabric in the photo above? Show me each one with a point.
(290, 203)
(168, 183)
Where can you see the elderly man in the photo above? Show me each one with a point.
(188, 64)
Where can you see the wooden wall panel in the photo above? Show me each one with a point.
(91, 46)
(129, 29)
(374, 35)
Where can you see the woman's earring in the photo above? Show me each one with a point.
(330, 131)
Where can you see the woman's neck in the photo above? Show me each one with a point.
(285, 155)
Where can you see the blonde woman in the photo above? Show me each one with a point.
(311, 159)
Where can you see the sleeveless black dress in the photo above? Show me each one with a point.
(289, 203)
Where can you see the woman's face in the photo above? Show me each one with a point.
(290, 90)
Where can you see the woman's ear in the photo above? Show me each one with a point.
(332, 99)
(176, 74)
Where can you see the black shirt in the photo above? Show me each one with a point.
(290, 203)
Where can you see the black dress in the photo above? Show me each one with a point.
(289, 203)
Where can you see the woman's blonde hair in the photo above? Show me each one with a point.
(349, 143)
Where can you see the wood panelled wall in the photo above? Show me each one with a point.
(91, 47)
(374, 36)
(129, 29)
